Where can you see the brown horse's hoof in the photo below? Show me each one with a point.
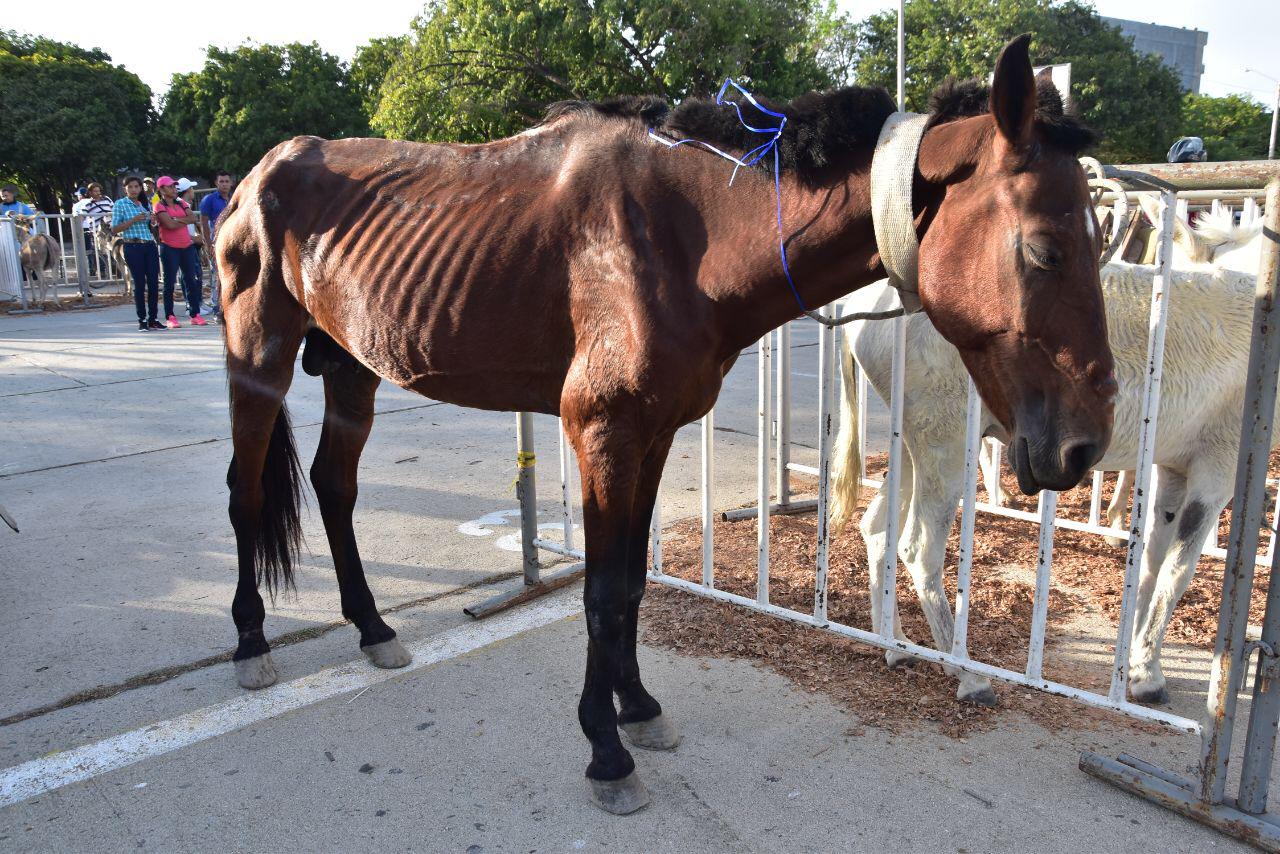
(654, 734)
(388, 655)
(620, 797)
(257, 672)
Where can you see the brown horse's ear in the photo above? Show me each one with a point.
(1013, 92)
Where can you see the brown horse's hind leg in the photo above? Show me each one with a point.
(348, 417)
(641, 718)
(264, 476)
(609, 457)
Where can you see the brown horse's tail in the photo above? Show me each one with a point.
(278, 534)
(846, 464)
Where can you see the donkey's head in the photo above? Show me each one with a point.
(1009, 270)
(24, 225)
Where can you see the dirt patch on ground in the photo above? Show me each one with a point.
(97, 299)
(1087, 580)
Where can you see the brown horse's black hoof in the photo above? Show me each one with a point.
(620, 797)
(389, 654)
(257, 672)
(654, 734)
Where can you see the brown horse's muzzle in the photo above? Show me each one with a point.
(1054, 449)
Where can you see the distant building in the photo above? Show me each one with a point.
(1180, 48)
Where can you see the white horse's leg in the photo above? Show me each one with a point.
(1204, 493)
(938, 479)
(1119, 504)
(873, 525)
(990, 465)
(1168, 493)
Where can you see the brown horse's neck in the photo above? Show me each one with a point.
(831, 247)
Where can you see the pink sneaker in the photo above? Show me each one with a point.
(172, 322)
(199, 321)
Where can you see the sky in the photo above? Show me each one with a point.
(1241, 32)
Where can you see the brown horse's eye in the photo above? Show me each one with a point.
(1042, 257)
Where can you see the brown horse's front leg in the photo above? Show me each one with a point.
(609, 458)
(641, 718)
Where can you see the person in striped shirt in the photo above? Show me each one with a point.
(131, 218)
(93, 207)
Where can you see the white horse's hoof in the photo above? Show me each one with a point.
(257, 672)
(984, 696)
(620, 797)
(896, 659)
(388, 655)
(1115, 542)
(1150, 695)
(654, 734)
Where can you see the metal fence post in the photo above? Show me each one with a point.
(1249, 503)
(1205, 800)
(535, 583)
(762, 473)
(783, 417)
(527, 495)
(11, 278)
(82, 259)
(1148, 424)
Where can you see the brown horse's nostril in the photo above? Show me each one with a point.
(1077, 457)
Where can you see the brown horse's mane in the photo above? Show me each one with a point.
(959, 99)
(822, 127)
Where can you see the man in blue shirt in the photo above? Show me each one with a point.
(211, 208)
(9, 204)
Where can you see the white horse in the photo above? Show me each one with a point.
(1205, 362)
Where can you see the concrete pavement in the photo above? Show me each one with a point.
(115, 448)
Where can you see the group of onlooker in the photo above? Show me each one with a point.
(161, 230)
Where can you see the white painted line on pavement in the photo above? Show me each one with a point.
(43, 775)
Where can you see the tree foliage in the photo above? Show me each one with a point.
(1130, 97)
(370, 66)
(69, 114)
(245, 101)
(479, 69)
(1233, 128)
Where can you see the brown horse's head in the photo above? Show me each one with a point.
(1009, 273)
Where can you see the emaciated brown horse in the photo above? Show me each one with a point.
(581, 270)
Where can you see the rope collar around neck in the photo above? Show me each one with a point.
(893, 169)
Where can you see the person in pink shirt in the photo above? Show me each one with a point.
(178, 250)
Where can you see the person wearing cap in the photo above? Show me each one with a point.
(187, 192)
(177, 250)
(94, 207)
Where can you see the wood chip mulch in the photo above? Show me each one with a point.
(1087, 582)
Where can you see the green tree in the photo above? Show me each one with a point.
(1233, 128)
(68, 114)
(1130, 97)
(479, 69)
(245, 101)
(370, 66)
